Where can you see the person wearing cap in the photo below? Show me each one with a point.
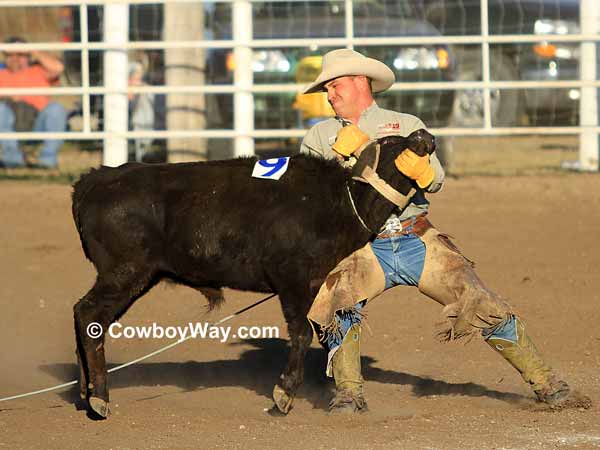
(408, 250)
(30, 112)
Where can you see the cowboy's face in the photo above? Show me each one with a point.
(343, 93)
(16, 61)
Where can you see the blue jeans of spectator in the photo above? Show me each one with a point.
(53, 118)
(402, 259)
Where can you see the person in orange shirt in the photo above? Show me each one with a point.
(30, 112)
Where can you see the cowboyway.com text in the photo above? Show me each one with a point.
(191, 330)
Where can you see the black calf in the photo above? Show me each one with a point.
(210, 225)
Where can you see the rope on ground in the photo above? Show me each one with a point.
(141, 358)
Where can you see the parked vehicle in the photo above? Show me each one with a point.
(326, 19)
(533, 62)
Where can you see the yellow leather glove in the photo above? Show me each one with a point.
(349, 139)
(415, 167)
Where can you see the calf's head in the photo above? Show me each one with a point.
(376, 166)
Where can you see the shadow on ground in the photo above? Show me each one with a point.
(258, 369)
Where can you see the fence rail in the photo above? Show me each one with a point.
(264, 88)
(291, 43)
(243, 87)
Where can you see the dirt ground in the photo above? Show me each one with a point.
(534, 238)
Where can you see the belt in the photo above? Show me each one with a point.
(415, 225)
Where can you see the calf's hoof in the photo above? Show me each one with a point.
(282, 400)
(99, 407)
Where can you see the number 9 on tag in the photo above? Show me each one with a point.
(270, 169)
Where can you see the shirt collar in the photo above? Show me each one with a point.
(373, 108)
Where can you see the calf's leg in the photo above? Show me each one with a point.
(83, 378)
(103, 304)
(301, 333)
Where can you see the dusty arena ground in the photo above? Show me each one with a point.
(535, 239)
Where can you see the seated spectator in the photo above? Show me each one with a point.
(141, 109)
(23, 113)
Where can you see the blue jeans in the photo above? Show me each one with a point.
(53, 118)
(402, 259)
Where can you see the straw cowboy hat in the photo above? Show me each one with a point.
(345, 62)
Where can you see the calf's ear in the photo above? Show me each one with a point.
(393, 141)
(392, 146)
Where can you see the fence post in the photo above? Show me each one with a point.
(185, 67)
(116, 33)
(485, 65)
(85, 66)
(349, 21)
(588, 107)
(243, 101)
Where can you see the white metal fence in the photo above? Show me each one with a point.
(116, 43)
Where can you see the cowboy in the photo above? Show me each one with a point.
(408, 250)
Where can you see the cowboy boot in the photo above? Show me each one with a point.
(345, 365)
(512, 342)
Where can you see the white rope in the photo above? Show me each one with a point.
(141, 358)
(362, 222)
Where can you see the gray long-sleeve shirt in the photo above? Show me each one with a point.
(376, 122)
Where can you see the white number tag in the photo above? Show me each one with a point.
(270, 169)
